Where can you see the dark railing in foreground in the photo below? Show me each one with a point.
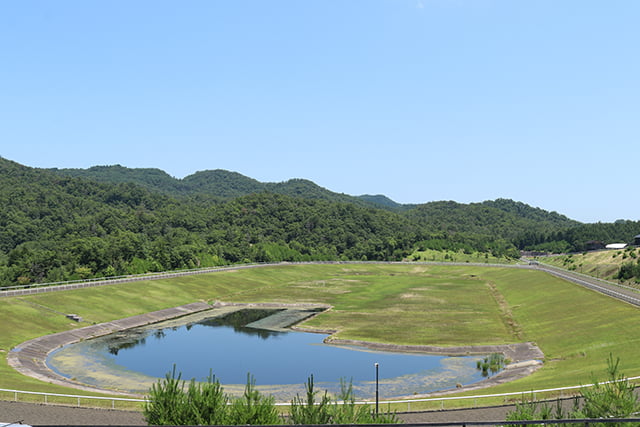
(569, 422)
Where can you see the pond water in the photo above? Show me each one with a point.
(279, 361)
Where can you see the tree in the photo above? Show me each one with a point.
(614, 398)
(253, 408)
(310, 411)
(166, 404)
(349, 413)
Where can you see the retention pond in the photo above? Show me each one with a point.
(232, 343)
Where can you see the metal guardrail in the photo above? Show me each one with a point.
(49, 287)
(34, 288)
(596, 284)
(408, 402)
(584, 421)
(9, 291)
(76, 397)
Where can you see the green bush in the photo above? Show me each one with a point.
(491, 364)
(342, 411)
(614, 398)
(166, 401)
(349, 413)
(310, 411)
(253, 408)
(169, 403)
(207, 404)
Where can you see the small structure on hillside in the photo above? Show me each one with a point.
(74, 317)
(594, 245)
(616, 246)
(636, 240)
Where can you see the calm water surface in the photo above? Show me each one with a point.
(273, 358)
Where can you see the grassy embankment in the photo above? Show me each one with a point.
(402, 304)
(456, 256)
(603, 264)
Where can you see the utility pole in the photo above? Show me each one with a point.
(377, 395)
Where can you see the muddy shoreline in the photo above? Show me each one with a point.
(29, 358)
(525, 359)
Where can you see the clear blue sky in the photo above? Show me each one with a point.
(420, 100)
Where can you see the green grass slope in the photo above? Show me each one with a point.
(404, 304)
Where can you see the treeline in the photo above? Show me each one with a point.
(217, 184)
(578, 238)
(55, 227)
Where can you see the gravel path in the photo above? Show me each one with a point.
(38, 414)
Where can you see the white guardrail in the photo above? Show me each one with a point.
(34, 288)
(47, 287)
(408, 402)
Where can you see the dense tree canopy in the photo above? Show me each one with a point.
(108, 221)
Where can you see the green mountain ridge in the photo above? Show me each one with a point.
(64, 225)
(224, 184)
(217, 183)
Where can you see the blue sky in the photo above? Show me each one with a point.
(420, 100)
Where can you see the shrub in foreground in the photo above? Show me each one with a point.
(201, 404)
(614, 398)
(342, 411)
(253, 408)
(207, 404)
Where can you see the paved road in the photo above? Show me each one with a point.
(623, 293)
(35, 415)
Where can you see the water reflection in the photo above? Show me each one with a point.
(283, 360)
(241, 318)
(238, 320)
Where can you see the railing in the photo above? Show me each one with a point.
(583, 421)
(33, 288)
(533, 393)
(45, 287)
(50, 398)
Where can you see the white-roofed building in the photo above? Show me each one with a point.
(616, 246)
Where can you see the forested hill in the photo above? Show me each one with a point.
(502, 217)
(56, 227)
(219, 184)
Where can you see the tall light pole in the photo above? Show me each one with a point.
(377, 395)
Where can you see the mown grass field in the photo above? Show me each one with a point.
(446, 305)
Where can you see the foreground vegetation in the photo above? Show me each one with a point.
(403, 304)
(172, 402)
(613, 398)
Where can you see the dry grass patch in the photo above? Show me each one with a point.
(396, 304)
